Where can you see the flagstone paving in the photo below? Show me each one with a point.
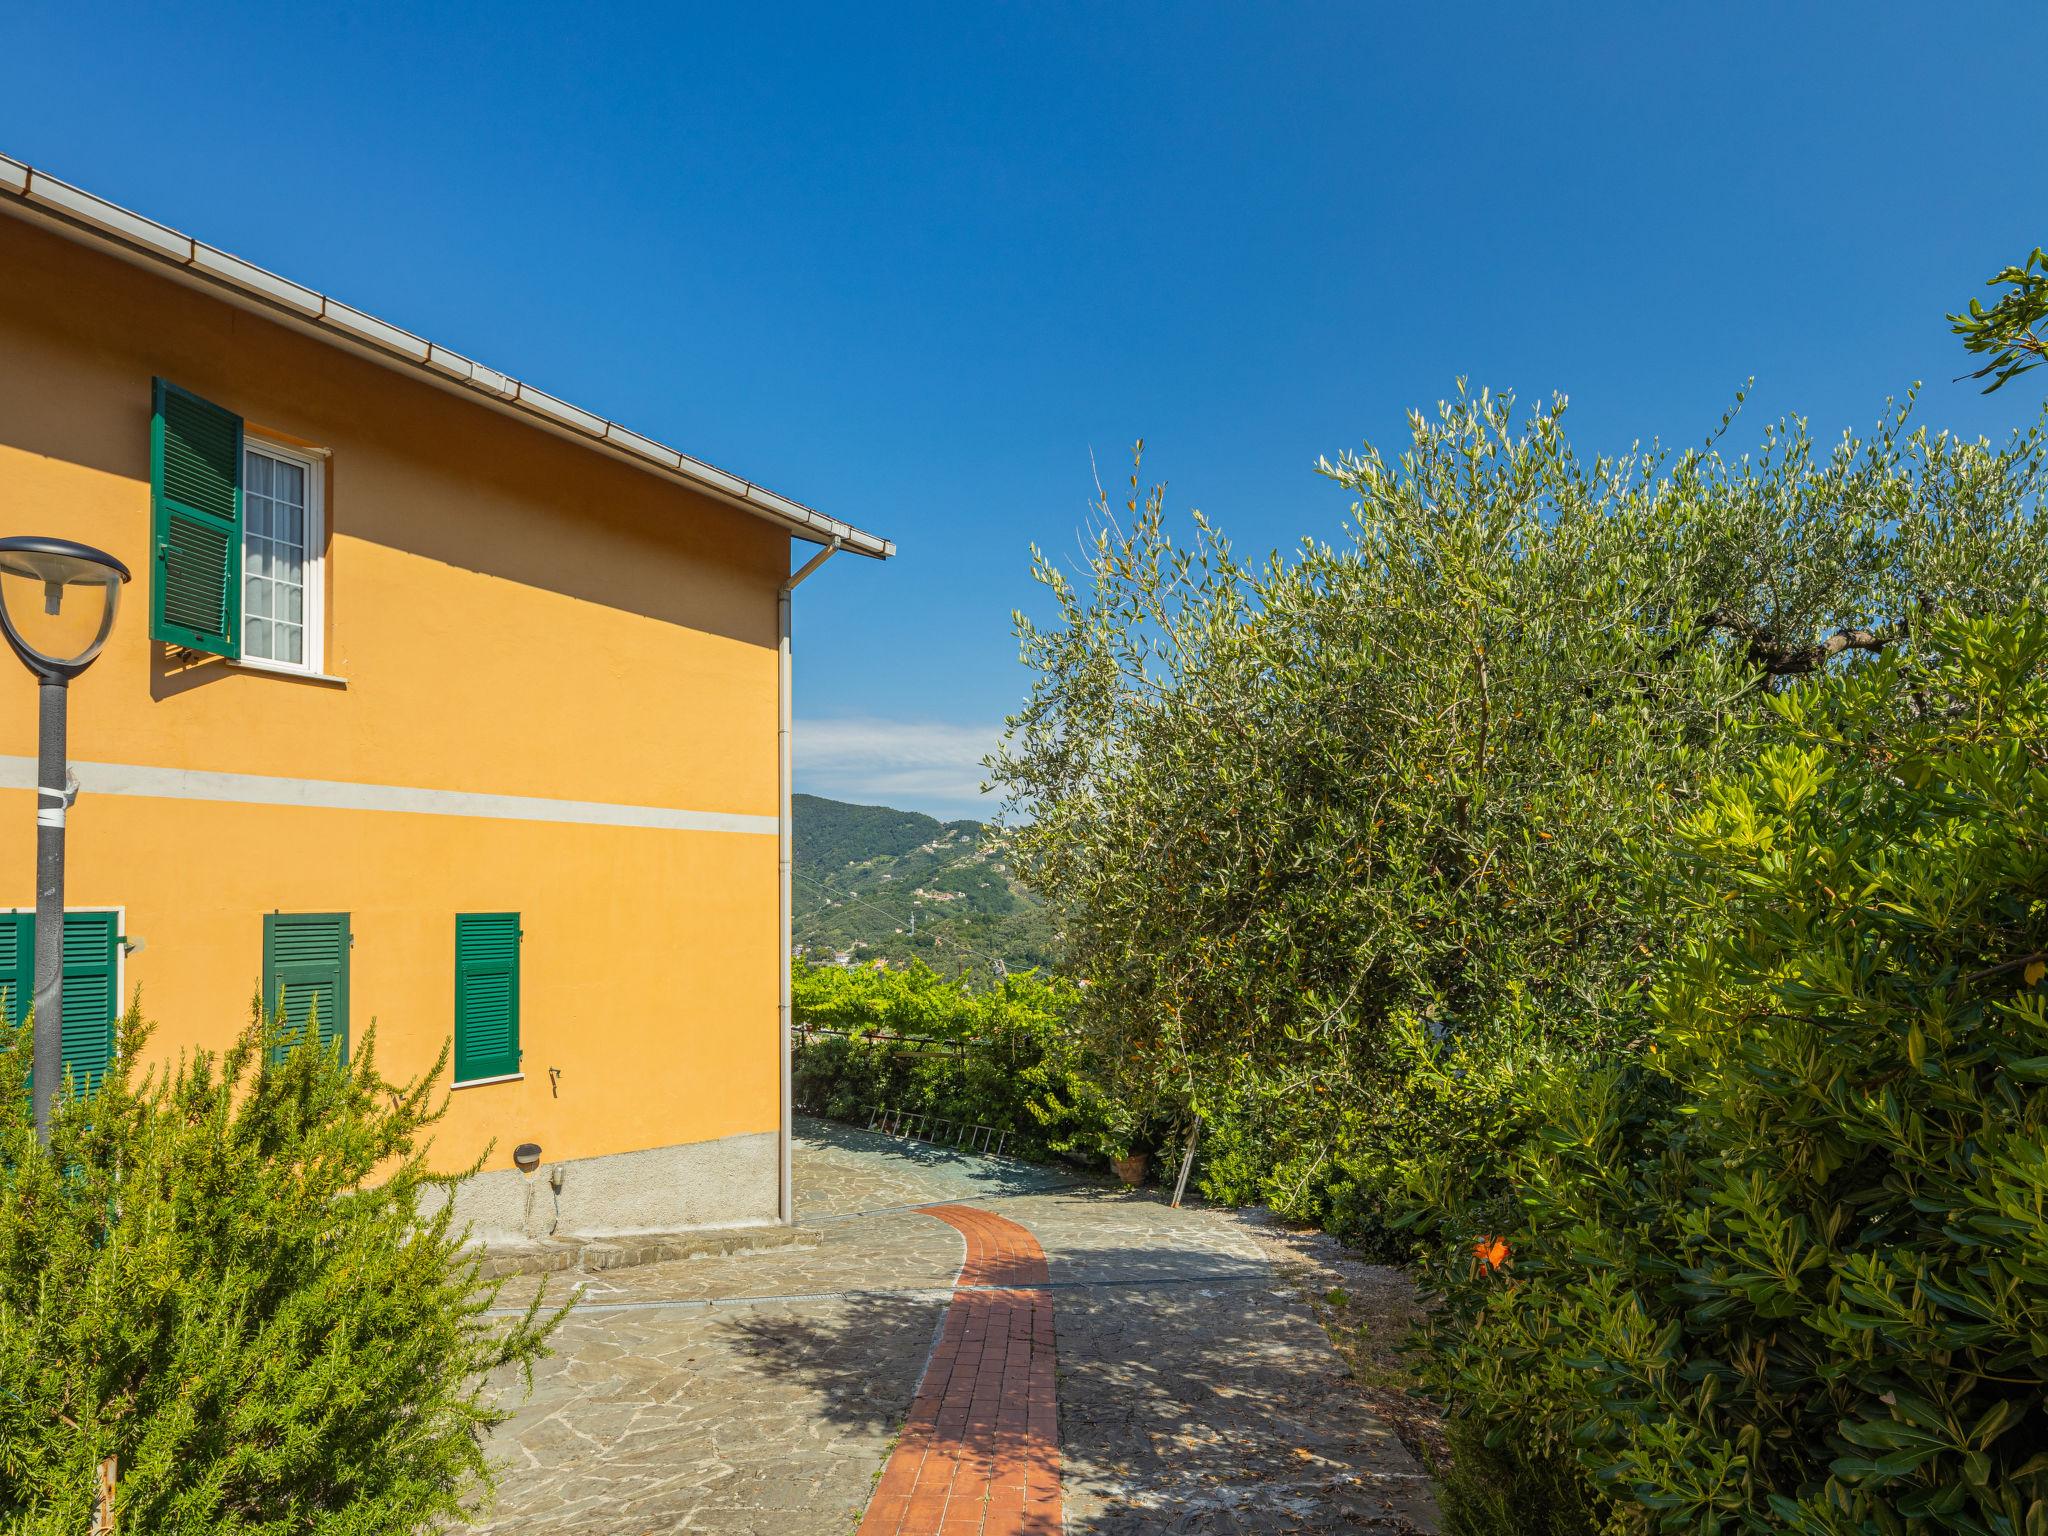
(779, 1392)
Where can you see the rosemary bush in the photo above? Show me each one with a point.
(219, 1274)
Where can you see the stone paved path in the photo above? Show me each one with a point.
(780, 1392)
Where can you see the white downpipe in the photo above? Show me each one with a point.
(785, 1193)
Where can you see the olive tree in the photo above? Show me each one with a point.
(1307, 820)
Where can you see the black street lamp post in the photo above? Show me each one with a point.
(56, 646)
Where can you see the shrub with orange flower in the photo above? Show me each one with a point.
(1491, 1252)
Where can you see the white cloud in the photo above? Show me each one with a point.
(910, 764)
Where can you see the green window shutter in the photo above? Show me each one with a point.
(17, 964)
(305, 973)
(18, 980)
(195, 496)
(486, 995)
(91, 962)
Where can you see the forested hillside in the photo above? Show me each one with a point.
(883, 884)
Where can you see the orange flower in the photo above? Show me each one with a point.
(1491, 1251)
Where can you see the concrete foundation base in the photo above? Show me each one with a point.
(558, 1255)
(727, 1183)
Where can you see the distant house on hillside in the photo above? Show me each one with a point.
(438, 702)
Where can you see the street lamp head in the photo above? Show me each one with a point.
(57, 602)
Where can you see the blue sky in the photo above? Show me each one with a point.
(915, 264)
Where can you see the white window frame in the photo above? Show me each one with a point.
(314, 463)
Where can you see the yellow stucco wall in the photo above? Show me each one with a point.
(512, 615)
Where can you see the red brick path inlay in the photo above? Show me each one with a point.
(981, 1453)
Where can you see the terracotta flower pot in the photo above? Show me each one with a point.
(1131, 1169)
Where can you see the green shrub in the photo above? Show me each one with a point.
(1437, 1132)
(1443, 1131)
(1789, 1271)
(219, 1274)
(1001, 1056)
(1496, 1485)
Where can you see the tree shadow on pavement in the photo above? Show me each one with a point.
(1197, 1396)
(845, 1356)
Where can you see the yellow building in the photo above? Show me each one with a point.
(436, 702)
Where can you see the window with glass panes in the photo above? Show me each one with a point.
(281, 542)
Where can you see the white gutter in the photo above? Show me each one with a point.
(785, 838)
(42, 199)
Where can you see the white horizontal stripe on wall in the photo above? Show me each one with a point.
(338, 795)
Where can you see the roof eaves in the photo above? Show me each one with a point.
(133, 233)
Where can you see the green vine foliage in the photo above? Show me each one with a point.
(1310, 822)
(1004, 1057)
(225, 1274)
(1787, 1269)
